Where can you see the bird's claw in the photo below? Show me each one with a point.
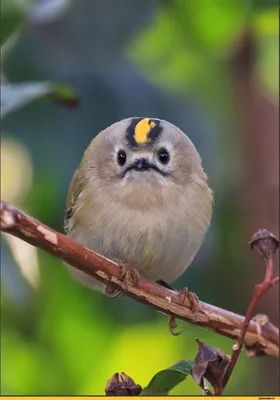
(193, 299)
(129, 275)
(194, 302)
(172, 326)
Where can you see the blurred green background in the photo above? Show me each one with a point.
(209, 66)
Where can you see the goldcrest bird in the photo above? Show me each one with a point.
(140, 197)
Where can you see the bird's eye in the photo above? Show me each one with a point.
(121, 157)
(163, 156)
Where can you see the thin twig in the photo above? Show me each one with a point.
(167, 301)
(263, 243)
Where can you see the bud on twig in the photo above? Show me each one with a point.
(122, 385)
(264, 243)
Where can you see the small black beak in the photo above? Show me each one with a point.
(142, 164)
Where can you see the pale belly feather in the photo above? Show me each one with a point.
(156, 246)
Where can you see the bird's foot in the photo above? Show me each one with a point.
(193, 299)
(172, 320)
(172, 326)
(128, 275)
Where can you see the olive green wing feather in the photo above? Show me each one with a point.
(75, 189)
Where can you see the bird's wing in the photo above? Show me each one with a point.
(75, 189)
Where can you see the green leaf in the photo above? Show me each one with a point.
(17, 95)
(167, 379)
(13, 14)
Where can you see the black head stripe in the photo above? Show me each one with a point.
(143, 131)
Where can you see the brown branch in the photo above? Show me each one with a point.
(167, 301)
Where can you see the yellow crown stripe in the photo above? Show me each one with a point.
(142, 130)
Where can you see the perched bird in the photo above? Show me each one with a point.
(140, 196)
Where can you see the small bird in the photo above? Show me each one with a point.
(140, 197)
